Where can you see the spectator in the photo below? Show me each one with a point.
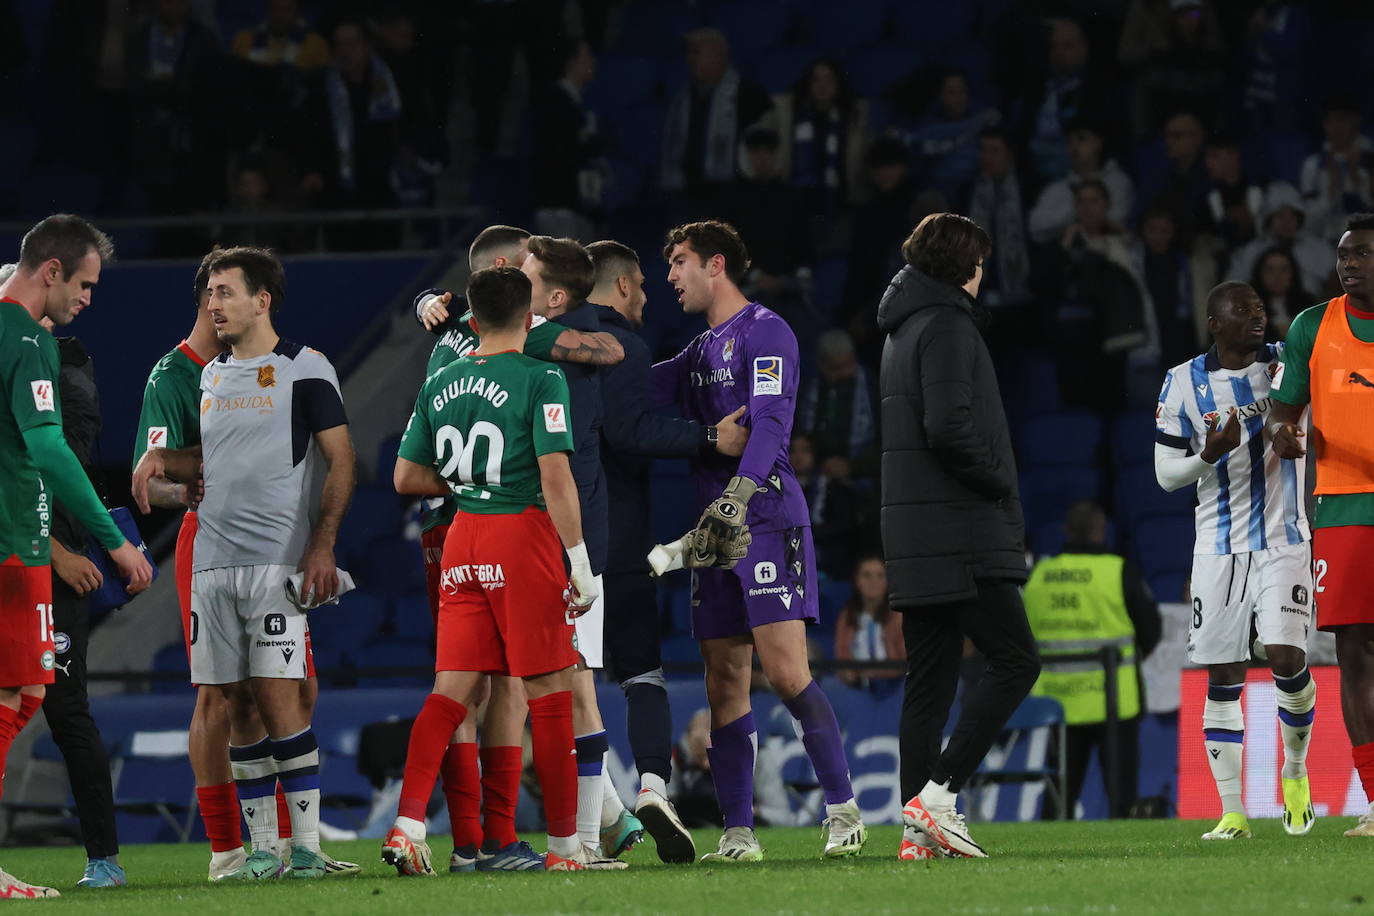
(1283, 227)
(362, 119)
(1178, 55)
(1277, 37)
(867, 630)
(945, 140)
(423, 146)
(569, 172)
(823, 127)
(880, 224)
(253, 193)
(1278, 280)
(836, 407)
(1068, 92)
(1233, 200)
(1054, 209)
(1335, 182)
(1179, 184)
(1086, 598)
(994, 201)
(772, 214)
(1171, 286)
(282, 39)
(835, 505)
(708, 116)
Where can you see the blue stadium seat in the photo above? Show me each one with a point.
(629, 178)
(1030, 385)
(172, 658)
(834, 594)
(1046, 540)
(832, 270)
(670, 495)
(675, 602)
(780, 68)
(874, 71)
(1068, 437)
(1133, 438)
(396, 653)
(681, 649)
(1047, 492)
(386, 460)
(1169, 586)
(1138, 496)
(623, 81)
(410, 618)
(150, 777)
(503, 184)
(753, 26)
(1164, 543)
(349, 626)
(392, 566)
(375, 511)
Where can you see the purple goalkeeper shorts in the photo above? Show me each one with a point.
(776, 581)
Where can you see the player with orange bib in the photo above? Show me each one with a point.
(1329, 363)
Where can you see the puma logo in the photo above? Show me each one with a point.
(1357, 379)
(65, 669)
(34, 341)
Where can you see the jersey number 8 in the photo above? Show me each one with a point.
(460, 454)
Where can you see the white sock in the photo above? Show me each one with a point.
(937, 795)
(611, 805)
(589, 797)
(298, 769)
(255, 772)
(654, 783)
(1297, 701)
(412, 828)
(564, 846)
(1223, 728)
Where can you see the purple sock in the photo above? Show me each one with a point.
(731, 753)
(821, 738)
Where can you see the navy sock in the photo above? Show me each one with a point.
(650, 726)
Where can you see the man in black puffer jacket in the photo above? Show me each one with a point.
(953, 535)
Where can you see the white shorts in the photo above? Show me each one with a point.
(590, 629)
(243, 625)
(1271, 587)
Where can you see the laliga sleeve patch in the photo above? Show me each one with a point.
(157, 436)
(42, 394)
(767, 375)
(555, 418)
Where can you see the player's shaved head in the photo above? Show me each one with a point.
(499, 298)
(1085, 523)
(67, 238)
(7, 271)
(1222, 293)
(612, 260)
(494, 242)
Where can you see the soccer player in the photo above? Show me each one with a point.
(631, 434)
(272, 424)
(170, 418)
(59, 265)
(503, 718)
(1326, 364)
(748, 357)
(1252, 557)
(492, 428)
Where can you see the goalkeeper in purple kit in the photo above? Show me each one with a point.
(752, 559)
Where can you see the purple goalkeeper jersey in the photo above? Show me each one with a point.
(749, 360)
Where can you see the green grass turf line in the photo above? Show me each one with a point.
(1092, 867)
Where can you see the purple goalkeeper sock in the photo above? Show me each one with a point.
(731, 753)
(821, 738)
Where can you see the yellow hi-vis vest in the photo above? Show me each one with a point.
(1076, 605)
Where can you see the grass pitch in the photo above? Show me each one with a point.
(1093, 867)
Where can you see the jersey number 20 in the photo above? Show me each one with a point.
(449, 442)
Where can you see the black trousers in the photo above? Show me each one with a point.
(73, 729)
(996, 622)
(633, 633)
(1080, 741)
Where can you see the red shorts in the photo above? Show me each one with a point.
(432, 548)
(26, 649)
(502, 607)
(1340, 559)
(186, 542)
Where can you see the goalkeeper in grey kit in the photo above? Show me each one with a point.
(752, 559)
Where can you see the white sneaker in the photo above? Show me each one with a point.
(11, 888)
(737, 844)
(916, 846)
(593, 858)
(845, 830)
(224, 864)
(659, 817)
(334, 868)
(944, 825)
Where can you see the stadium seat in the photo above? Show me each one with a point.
(929, 28)
(834, 594)
(386, 460)
(1030, 386)
(1133, 438)
(1047, 492)
(670, 495)
(1164, 543)
(1068, 437)
(874, 71)
(374, 511)
(780, 68)
(753, 26)
(348, 627)
(1019, 759)
(397, 653)
(392, 566)
(1169, 586)
(150, 777)
(1139, 495)
(172, 658)
(410, 618)
(828, 290)
(623, 81)
(675, 600)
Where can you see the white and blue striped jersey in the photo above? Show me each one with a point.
(1252, 500)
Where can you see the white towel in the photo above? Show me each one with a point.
(293, 587)
(667, 557)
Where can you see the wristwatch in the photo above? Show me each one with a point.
(712, 437)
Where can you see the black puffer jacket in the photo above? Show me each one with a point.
(951, 513)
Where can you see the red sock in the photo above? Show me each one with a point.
(463, 792)
(28, 705)
(1364, 763)
(500, 792)
(283, 814)
(219, 809)
(9, 728)
(554, 763)
(439, 718)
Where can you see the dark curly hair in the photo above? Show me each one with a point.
(947, 247)
(709, 238)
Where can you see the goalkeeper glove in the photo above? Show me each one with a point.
(581, 593)
(722, 524)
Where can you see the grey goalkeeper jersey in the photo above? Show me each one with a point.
(263, 471)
